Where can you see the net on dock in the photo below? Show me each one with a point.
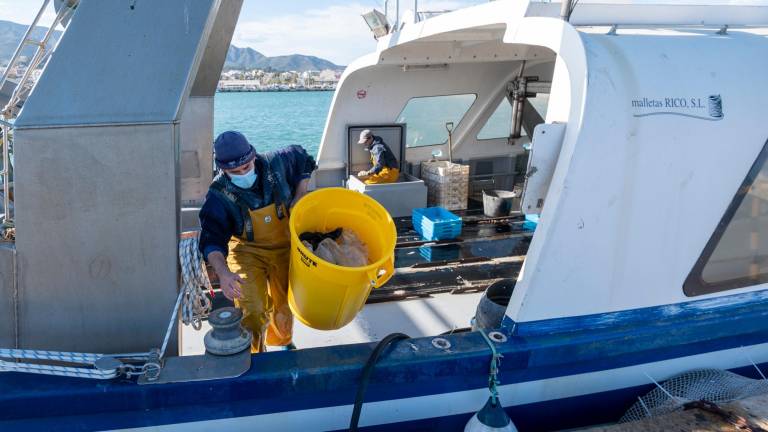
(712, 385)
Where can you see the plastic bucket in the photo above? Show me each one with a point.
(497, 203)
(326, 296)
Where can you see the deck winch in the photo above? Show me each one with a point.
(227, 336)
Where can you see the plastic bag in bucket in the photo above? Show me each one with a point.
(326, 296)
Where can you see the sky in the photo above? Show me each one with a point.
(329, 29)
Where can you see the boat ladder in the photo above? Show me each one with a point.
(13, 94)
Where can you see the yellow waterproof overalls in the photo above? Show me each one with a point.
(263, 265)
(386, 175)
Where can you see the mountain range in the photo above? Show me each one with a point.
(237, 58)
(249, 58)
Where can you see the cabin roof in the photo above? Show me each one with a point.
(487, 21)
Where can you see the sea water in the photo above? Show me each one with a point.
(271, 120)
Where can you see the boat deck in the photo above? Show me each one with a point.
(435, 289)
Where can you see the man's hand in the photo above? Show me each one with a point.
(228, 281)
(301, 190)
(362, 174)
(230, 285)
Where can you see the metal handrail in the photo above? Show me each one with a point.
(8, 112)
(5, 141)
(24, 41)
(417, 14)
(41, 53)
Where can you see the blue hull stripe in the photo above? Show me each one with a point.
(324, 377)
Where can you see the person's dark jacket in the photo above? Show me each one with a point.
(382, 156)
(278, 174)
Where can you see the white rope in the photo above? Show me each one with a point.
(75, 372)
(69, 357)
(194, 282)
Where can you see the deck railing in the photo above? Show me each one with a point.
(393, 6)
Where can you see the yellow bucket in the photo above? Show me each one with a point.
(326, 296)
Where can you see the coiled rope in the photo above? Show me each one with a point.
(195, 305)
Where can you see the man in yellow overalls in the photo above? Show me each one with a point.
(385, 167)
(245, 235)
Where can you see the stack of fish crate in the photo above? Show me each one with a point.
(447, 184)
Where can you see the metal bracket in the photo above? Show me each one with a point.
(201, 368)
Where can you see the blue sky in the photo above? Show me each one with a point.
(331, 29)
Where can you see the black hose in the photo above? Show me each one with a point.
(366, 375)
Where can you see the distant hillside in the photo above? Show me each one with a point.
(10, 35)
(248, 58)
(237, 58)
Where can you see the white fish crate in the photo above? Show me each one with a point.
(447, 184)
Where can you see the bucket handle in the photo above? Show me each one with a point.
(378, 278)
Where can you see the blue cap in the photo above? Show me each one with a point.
(232, 149)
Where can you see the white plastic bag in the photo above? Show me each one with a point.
(353, 252)
(327, 250)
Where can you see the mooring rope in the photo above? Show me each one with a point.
(195, 284)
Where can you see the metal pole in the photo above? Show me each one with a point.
(397, 15)
(6, 175)
(23, 42)
(416, 10)
(35, 62)
(565, 10)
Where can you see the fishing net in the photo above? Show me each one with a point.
(712, 385)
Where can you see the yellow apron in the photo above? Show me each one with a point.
(263, 265)
(386, 175)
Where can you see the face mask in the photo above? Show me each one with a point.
(244, 181)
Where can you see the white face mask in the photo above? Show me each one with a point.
(244, 181)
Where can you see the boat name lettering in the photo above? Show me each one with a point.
(702, 108)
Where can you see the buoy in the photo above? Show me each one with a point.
(227, 336)
(491, 417)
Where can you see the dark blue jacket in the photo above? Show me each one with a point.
(382, 156)
(278, 173)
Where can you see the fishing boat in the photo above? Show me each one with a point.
(635, 132)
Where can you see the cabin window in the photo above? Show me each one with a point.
(540, 103)
(499, 124)
(737, 254)
(425, 117)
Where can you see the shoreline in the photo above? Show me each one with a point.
(272, 90)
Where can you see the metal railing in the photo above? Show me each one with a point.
(23, 87)
(419, 15)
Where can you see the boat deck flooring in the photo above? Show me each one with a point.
(435, 289)
(416, 317)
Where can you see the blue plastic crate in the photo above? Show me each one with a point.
(440, 253)
(531, 222)
(436, 223)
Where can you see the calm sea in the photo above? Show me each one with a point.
(274, 119)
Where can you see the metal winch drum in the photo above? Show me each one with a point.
(227, 336)
(493, 305)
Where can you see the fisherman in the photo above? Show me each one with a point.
(385, 167)
(245, 235)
